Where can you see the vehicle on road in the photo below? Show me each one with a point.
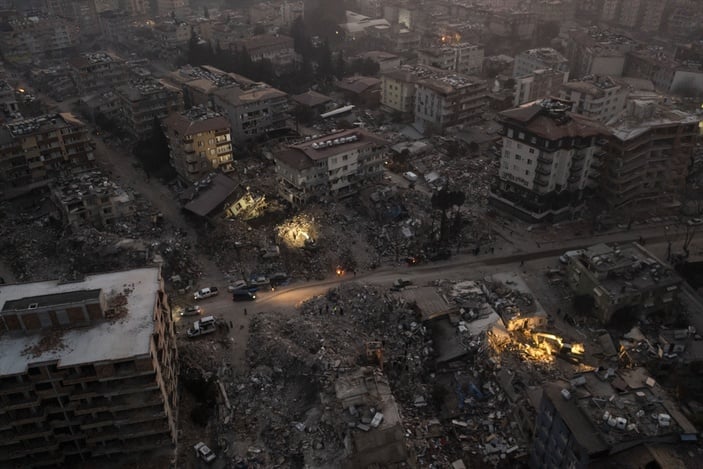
(205, 293)
(206, 325)
(204, 453)
(243, 295)
(259, 280)
(695, 221)
(278, 279)
(410, 176)
(400, 283)
(564, 258)
(192, 310)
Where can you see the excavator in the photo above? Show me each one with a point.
(573, 353)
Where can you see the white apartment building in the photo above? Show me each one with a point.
(547, 161)
(538, 84)
(539, 59)
(598, 98)
(461, 58)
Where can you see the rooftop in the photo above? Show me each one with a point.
(40, 124)
(311, 98)
(643, 114)
(195, 120)
(545, 55)
(86, 184)
(93, 58)
(126, 336)
(144, 87)
(627, 268)
(303, 155)
(594, 85)
(550, 119)
(443, 80)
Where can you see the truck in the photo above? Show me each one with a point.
(206, 325)
(205, 293)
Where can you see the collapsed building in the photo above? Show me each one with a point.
(90, 199)
(88, 369)
(623, 277)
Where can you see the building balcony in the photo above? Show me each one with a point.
(541, 182)
(544, 160)
(22, 403)
(543, 170)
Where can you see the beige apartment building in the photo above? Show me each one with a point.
(199, 141)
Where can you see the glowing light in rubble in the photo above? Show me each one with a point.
(297, 232)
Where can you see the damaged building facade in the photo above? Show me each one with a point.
(35, 151)
(623, 277)
(144, 100)
(548, 159)
(90, 199)
(649, 152)
(88, 369)
(599, 417)
(199, 141)
(334, 165)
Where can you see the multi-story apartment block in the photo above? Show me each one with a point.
(199, 141)
(462, 58)
(643, 15)
(649, 151)
(143, 100)
(597, 51)
(90, 199)
(385, 60)
(94, 72)
(35, 151)
(334, 165)
(558, 11)
(398, 90)
(600, 419)
(539, 59)
(598, 98)
(104, 385)
(623, 277)
(115, 26)
(23, 39)
(276, 48)
(512, 25)
(546, 161)
(538, 84)
(446, 99)
(252, 108)
(172, 34)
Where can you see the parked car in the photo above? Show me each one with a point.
(205, 293)
(278, 279)
(259, 280)
(243, 295)
(695, 221)
(204, 453)
(564, 258)
(400, 283)
(192, 310)
(206, 325)
(410, 176)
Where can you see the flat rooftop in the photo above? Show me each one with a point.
(124, 337)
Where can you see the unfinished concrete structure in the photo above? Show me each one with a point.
(88, 369)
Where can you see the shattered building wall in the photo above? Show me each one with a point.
(35, 151)
(88, 369)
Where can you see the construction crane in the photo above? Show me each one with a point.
(374, 353)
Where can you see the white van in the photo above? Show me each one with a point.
(564, 258)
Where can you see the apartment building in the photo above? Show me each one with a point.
(624, 277)
(643, 15)
(385, 60)
(8, 101)
(446, 99)
(115, 26)
(172, 7)
(199, 141)
(26, 38)
(334, 165)
(252, 108)
(596, 97)
(607, 419)
(90, 199)
(276, 48)
(172, 34)
(512, 25)
(398, 90)
(558, 11)
(539, 59)
(596, 51)
(141, 101)
(461, 57)
(35, 151)
(547, 160)
(95, 72)
(88, 369)
(538, 84)
(649, 151)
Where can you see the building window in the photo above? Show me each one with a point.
(527, 172)
(518, 157)
(532, 150)
(529, 161)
